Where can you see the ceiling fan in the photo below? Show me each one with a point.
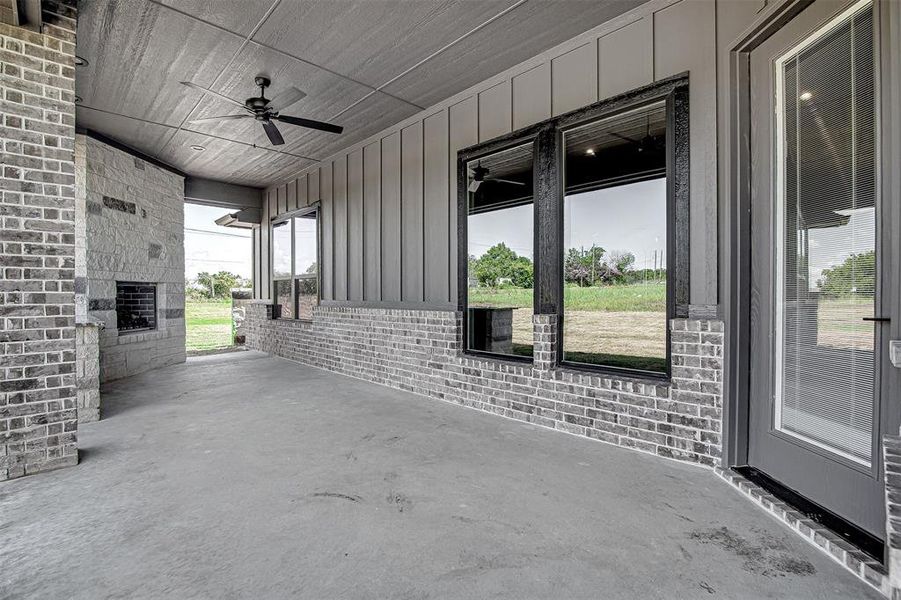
(648, 142)
(266, 111)
(480, 175)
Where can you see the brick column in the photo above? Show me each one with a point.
(697, 366)
(257, 319)
(37, 234)
(545, 344)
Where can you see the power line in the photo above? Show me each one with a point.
(213, 260)
(222, 233)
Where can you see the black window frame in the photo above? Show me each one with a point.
(315, 209)
(548, 195)
(484, 150)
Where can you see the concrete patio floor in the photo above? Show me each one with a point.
(245, 476)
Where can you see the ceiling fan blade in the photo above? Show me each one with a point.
(506, 181)
(274, 135)
(310, 124)
(202, 89)
(222, 118)
(286, 99)
(474, 185)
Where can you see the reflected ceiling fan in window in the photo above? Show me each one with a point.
(480, 175)
(266, 111)
(647, 143)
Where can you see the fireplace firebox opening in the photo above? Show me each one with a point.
(135, 306)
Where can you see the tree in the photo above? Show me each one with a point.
(500, 263)
(855, 275)
(575, 270)
(219, 285)
(616, 265)
(522, 273)
(596, 266)
(584, 267)
(473, 264)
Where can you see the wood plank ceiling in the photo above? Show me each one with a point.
(364, 64)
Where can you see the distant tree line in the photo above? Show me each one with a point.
(213, 286)
(855, 275)
(500, 266)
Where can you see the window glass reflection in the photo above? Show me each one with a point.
(500, 271)
(614, 242)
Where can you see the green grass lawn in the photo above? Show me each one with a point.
(611, 298)
(209, 324)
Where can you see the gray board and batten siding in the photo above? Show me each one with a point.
(389, 214)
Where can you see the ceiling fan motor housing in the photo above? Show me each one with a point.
(258, 104)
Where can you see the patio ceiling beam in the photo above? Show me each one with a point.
(200, 190)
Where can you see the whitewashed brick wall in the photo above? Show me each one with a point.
(38, 426)
(420, 352)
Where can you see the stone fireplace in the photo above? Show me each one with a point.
(130, 260)
(135, 306)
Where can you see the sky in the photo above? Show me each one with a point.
(625, 218)
(209, 247)
(304, 247)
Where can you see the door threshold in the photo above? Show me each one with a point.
(851, 555)
(854, 535)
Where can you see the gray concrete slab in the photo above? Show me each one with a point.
(245, 476)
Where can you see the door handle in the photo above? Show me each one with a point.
(877, 319)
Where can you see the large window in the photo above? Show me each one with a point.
(295, 264)
(582, 219)
(306, 264)
(500, 270)
(614, 242)
(281, 267)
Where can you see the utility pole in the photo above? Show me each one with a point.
(644, 269)
(593, 261)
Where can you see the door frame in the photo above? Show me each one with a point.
(736, 212)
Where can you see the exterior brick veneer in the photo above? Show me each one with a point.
(37, 237)
(833, 545)
(420, 351)
(891, 452)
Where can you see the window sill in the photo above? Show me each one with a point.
(293, 320)
(637, 375)
(516, 359)
(568, 368)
